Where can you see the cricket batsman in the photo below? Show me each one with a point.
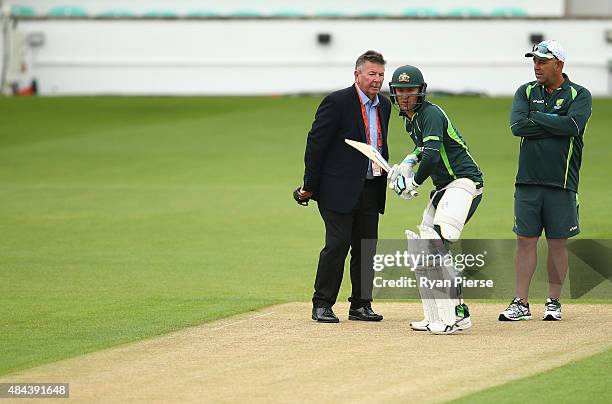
(442, 154)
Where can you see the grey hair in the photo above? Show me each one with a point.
(369, 56)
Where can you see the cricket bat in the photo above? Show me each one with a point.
(374, 155)
(370, 152)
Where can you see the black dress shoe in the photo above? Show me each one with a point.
(364, 314)
(324, 315)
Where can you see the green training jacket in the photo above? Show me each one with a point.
(443, 153)
(551, 128)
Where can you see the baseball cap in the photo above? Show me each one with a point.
(547, 50)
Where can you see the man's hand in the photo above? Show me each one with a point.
(394, 172)
(405, 187)
(305, 194)
(404, 168)
(302, 197)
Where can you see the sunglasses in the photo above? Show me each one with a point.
(542, 49)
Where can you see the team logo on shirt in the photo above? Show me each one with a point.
(559, 103)
(403, 78)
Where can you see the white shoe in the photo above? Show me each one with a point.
(463, 322)
(439, 328)
(552, 310)
(419, 325)
(516, 311)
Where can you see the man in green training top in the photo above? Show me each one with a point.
(443, 155)
(550, 115)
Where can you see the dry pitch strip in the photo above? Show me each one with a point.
(279, 354)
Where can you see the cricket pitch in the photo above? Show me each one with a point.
(278, 354)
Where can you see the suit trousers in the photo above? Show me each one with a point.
(344, 231)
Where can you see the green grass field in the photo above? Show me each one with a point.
(583, 381)
(124, 218)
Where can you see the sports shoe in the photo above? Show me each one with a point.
(516, 311)
(462, 323)
(419, 325)
(552, 310)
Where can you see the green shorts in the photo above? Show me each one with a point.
(540, 207)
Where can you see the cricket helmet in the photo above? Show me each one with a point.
(408, 77)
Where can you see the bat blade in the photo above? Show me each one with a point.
(370, 153)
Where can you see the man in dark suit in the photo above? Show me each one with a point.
(349, 189)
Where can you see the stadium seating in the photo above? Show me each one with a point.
(160, 14)
(421, 12)
(67, 11)
(509, 12)
(22, 11)
(465, 12)
(288, 13)
(202, 13)
(117, 13)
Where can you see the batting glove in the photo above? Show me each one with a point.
(405, 187)
(404, 168)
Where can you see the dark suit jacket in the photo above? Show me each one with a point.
(335, 172)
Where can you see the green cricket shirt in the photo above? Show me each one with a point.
(443, 153)
(551, 127)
